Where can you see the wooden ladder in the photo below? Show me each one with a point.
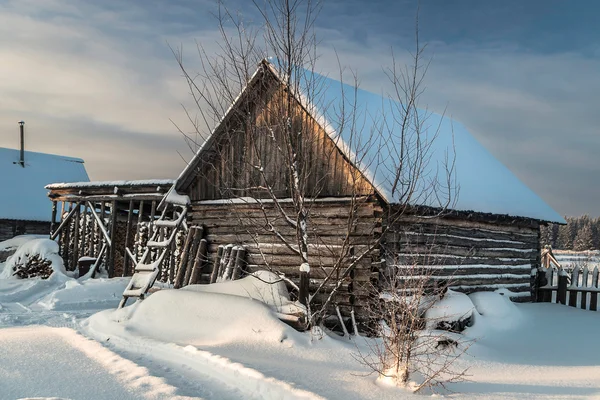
(145, 274)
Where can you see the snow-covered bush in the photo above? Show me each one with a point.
(454, 312)
(35, 258)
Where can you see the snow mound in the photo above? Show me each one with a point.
(263, 286)
(34, 251)
(496, 310)
(91, 294)
(455, 306)
(14, 243)
(197, 318)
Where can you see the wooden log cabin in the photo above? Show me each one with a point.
(241, 190)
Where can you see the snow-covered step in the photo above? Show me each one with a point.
(165, 223)
(162, 244)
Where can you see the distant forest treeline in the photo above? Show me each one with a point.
(580, 233)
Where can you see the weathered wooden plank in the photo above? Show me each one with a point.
(447, 260)
(468, 224)
(113, 232)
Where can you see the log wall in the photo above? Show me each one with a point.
(472, 255)
(242, 158)
(247, 224)
(10, 228)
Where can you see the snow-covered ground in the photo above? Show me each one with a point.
(63, 338)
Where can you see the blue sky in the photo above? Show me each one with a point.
(96, 79)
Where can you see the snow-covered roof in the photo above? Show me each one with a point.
(479, 182)
(23, 194)
(101, 184)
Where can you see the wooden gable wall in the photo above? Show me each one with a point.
(243, 158)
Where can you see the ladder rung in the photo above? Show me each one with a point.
(145, 267)
(162, 244)
(170, 224)
(133, 292)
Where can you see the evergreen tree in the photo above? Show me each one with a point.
(545, 235)
(584, 239)
(565, 241)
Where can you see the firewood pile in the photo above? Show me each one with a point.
(35, 266)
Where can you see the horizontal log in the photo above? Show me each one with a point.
(445, 260)
(283, 260)
(464, 223)
(441, 250)
(236, 211)
(517, 288)
(461, 270)
(410, 232)
(246, 237)
(398, 241)
(314, 249)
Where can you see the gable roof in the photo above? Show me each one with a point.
(23, 194)
(484, 184)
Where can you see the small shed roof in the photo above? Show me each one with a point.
(23, 196)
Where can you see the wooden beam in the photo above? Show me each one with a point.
(113, 231)
(101, 224)
(128, 238)
(63, 223)
(53, 221)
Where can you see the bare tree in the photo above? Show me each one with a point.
(269, 152)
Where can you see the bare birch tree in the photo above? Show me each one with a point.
(287, 197)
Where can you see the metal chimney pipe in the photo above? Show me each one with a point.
(21, 127)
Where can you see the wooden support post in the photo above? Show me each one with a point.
(239, 261)
(53, 221)
(198, 262)
(304, 284)
(230, 265)
(574, 284)
(85, 236)
(113, 245)
(76, 237)
(216, 264)
(184, 258)
(136, 249)
(561, 295)
(194, 249)
(128, 238)
(224, 261)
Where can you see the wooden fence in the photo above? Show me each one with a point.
(555, 285)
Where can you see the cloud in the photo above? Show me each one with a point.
(96, 80)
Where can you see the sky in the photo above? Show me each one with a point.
(97, 79)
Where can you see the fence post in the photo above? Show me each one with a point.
(561, 295)
(533, 284)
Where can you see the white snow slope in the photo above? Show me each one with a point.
(198, 344)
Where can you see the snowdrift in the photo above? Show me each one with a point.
(243, 311)
(263, 286)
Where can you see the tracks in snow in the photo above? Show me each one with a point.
(200, 373)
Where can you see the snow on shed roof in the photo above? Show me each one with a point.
(23, 194)
(101, 184)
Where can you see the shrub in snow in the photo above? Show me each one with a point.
(35, 258)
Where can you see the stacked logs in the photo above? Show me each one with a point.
(35, 266)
